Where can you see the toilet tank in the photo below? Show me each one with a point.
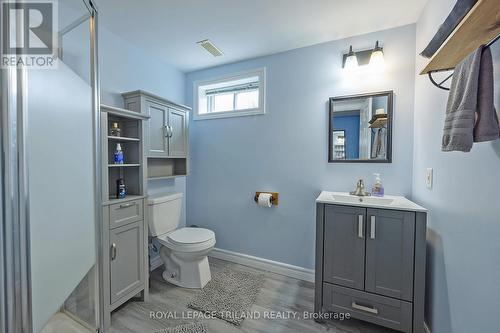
(164, 213)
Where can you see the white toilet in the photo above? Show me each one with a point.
(183, 250)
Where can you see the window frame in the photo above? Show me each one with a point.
(260, 73)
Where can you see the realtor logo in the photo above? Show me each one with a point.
(29, 34)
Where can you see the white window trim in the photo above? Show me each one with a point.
(260, 72)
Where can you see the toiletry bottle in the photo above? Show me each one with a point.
(118, 154)
(120, 188)
(378, 188)
(114, 130)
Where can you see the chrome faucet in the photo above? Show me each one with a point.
(360, 189)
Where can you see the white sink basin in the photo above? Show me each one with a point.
(394, 202)
(355, 199)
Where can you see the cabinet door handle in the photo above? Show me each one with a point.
(372, 227)
(357, 306)
(127, 205)
(113, 251)
(171, 131)
(165, 131)
(360, 226)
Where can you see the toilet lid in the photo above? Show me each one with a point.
(190, 235)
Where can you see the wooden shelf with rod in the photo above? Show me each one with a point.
(480, 26)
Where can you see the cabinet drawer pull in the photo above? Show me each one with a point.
(113, 251)
(357, 306)
(126, 205)
(372, 227)
(360, 226)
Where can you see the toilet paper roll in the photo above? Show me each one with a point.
(264, 199)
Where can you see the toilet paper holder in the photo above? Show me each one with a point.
(274, 197)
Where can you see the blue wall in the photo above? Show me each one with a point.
(286, 149)
(463, 273)
(350, 124)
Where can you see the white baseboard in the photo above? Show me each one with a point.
(292, 271)
(155, 263)
(426, 328)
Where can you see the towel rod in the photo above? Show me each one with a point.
(440, 84)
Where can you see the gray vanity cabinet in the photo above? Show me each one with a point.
(389, 253)
(371, 263)
(345, 246)
(127, 259)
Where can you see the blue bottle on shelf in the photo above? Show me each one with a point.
(118, 157)
(121, 191)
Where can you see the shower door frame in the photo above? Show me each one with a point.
(15, 277)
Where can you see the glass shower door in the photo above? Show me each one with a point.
(62, 175)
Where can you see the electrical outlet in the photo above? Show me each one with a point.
(429, 178)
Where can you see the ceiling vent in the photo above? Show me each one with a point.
(210, 47)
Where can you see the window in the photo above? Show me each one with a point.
(231, 96)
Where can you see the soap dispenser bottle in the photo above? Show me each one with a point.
(378, 188)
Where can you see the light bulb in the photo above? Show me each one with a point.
(351, 62)
(377, 61)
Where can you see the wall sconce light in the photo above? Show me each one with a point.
(373, 57)
(377, 57)
(350, 61)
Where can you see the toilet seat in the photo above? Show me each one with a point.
(188, 239)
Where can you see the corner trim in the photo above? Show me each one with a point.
(426, 328)
(292, 271)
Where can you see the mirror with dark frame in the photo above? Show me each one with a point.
(360, 128)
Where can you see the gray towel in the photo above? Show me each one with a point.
(486, 127)
(471, 92)
(378, 146)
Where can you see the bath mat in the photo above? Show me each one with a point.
(186, 328)
(229, 295)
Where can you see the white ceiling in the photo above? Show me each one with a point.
(245, 29)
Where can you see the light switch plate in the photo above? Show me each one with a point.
(429, 178)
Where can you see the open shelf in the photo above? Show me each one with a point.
(166, 168)
(131, 152)
(378, 123)
(131, 177)
(132, 165)
(165, 177)
(122, 138)
(478, 27)
(113, 110)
